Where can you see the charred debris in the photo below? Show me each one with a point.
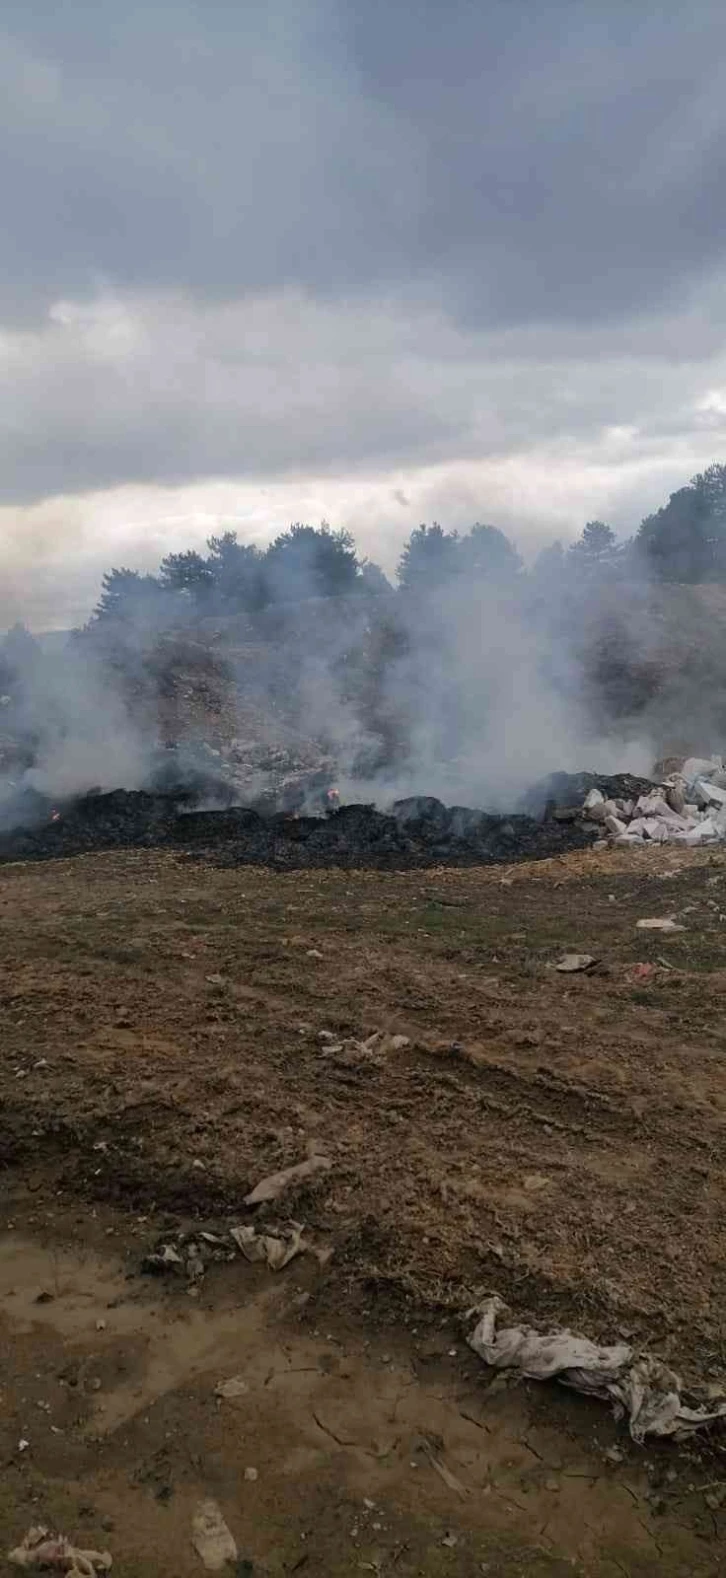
(419, 831)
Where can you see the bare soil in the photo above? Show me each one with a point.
(556, 1138)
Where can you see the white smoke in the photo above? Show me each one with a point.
(471, 693)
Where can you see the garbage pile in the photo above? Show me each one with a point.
(417, 832)
(687, 807)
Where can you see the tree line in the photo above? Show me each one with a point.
(684, 541)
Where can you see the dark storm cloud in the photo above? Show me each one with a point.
(514, 159)
(471, 253)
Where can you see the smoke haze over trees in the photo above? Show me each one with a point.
(683, 542)
(469, 679)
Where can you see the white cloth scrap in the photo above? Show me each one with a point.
(640, 1388)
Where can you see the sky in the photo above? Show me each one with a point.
(370, 263)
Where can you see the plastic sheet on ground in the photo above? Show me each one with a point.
(640, 1388)
(275, 1184)
(212, 1540)
(275, 1249)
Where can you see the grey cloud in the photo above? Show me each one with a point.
(558, 161)
(169, 390)
(334, 240)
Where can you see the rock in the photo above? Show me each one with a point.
(234, 1387)
(707, 794)
(594, 805)
(675, 795)
(614, 824)
(701, 766)
(575, 963)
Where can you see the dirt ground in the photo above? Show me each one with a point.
(173, 1033)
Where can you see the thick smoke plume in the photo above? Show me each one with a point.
(65, 727)
(490, 700)
(470, 688)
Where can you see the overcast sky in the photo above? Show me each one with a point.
(374, 262)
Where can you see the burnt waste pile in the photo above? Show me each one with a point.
(195, 818)
(419, 831)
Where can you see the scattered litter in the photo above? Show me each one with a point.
(642, 1389)
(40, 1548)
(100, 1325)
(272, 1187)
(450, 1541)
(234, 1387)
(251, 1474)
(450, 1480)
(667, 923)
(575, 963)
(212, 1540)
(275, 1249)
(350, 1051)
(166, 1258)
(642, 972)
(188, 1256)
(23, 1444)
